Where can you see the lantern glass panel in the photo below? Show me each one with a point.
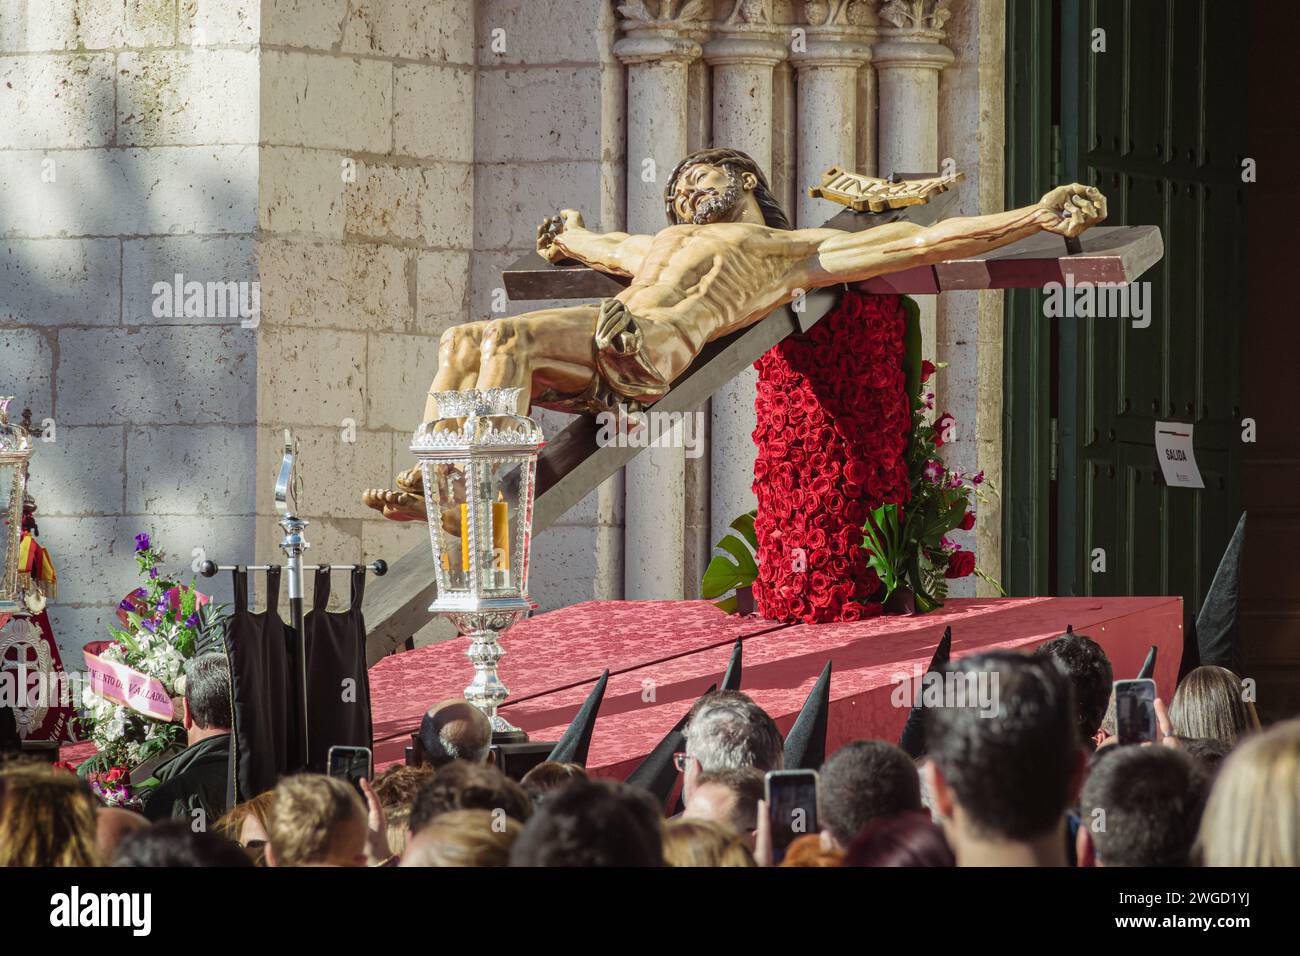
(499, 492)
(445, 484)
(12, 482)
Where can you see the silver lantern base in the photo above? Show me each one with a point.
(486, 692)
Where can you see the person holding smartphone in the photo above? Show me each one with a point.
(1001, 782)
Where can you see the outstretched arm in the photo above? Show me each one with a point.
(563, 236)
(856, 256)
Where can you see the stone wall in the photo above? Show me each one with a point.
(972, 131)
(549, 136)
(128, 155)
(373, 166)
(366, 225)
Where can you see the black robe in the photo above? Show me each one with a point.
(195, 779)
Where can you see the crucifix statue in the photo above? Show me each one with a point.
(727, 259)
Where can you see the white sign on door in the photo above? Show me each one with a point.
(1177, 460)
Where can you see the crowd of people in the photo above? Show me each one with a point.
(1038, 780)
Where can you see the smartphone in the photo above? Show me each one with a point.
(791, 807)
(1135, 711)
(349, 763)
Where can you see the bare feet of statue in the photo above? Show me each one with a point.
(404, 504)
(395, 505)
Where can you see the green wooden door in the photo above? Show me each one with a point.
(1150, 119)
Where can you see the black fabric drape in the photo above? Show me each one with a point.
(338, 685)
(263, 691)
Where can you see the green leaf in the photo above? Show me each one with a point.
(726, 605)
(912, 349)
(738, 568)
(127, 639)
(884, 546)
(745, 525)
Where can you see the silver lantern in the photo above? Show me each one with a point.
(15, 451)
(479, 464)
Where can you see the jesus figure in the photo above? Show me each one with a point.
(728, 258)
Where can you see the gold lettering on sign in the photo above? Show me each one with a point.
(867, 193)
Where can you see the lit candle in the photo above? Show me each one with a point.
(464, 537)
(500, 534)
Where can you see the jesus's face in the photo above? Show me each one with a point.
(705, 194)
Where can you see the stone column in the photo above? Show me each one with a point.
(658, 48)
(743, 53)
(828, 52)
(969, 324)
(908, 59)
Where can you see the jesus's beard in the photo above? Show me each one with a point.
(717, 205)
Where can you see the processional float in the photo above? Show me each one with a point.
(572, 463)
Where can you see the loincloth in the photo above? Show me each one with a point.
(620, 378)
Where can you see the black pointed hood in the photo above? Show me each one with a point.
(912, 740)
(731, 679)
(805, 744)
(573, 746)
(1149, 665)
(1216, 624)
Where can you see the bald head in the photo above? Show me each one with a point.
(455, 730)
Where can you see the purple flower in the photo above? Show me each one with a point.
(141, 542)
(153, 572)
(929, 400)
(149, 626)
(977, 478)
(126, 606)
(192, 621)
(933, 471)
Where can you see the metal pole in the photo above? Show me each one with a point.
(293, 546)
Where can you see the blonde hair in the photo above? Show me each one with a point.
(1210, 705)
(47, 818)
(306, 811)
(691, 843)
(1253, 816)
(464, 838)
(398, 828)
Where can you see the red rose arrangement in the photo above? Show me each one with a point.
(834, 421)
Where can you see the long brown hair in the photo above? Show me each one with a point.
(1210, 704)
(47, 818)
(737, 162)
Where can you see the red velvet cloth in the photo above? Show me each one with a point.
(663, 655)
(563, 648)
(833, 426)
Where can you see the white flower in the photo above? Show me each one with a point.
(115, 725)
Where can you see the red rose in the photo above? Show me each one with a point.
(942, 425)
(927, 369)
(967, 521)
(833, 426)
(960, 565)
